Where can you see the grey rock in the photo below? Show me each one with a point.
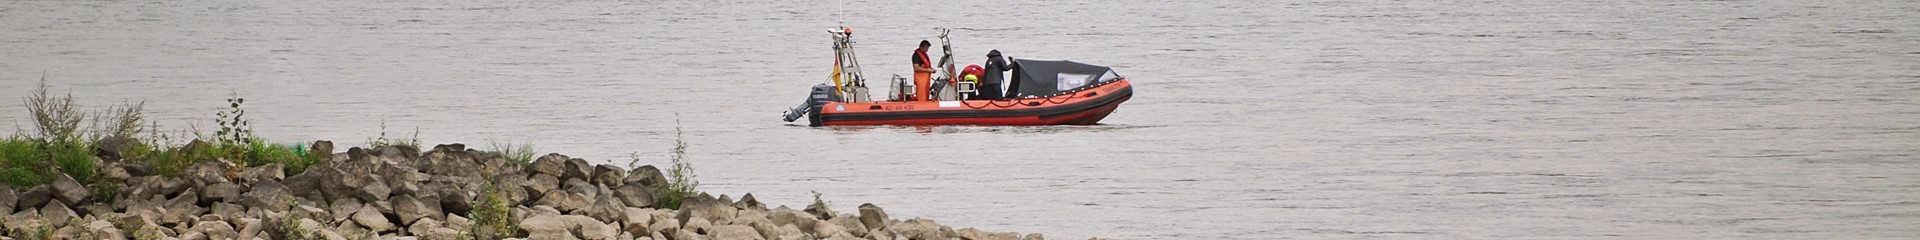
(664, 226)
(748, 202)
(308, 184)
(267, 194)
(736, 232)
(102, 229)
(633, 195)
(423, 227)
(271, 171)
(820, 210)
(114, 172)
(57, 214)
(541, 184)
(576, 168)
(68, 190)
(581, 187)
(375, 190)
(229, 210)
(357, 154)
(918, 228)
(207, 172)
(564, 201)
(606, 210)
(1034, 236)
(322, 147)
(608, 175)
(647, 176)
(872, 216)
(566, 227)
(551, 164)
(221, 192)
(24, 219)
(411, 209)
(8, 197)
(827, 228)
(216, 229)
(369, 217)
(344, 208)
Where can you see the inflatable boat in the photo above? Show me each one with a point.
(1038, 92)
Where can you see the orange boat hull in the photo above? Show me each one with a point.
(1084, 107)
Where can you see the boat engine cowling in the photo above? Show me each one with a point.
(820, 95)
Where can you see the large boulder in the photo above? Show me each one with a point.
(575, 185)
(57, 214)
(872, 216)
(564, 201)
(551, 164)
(411, 209)
(663, 225)
(736, 232)
(577, 169)
(851, 224)
(607, 210)
(344, 208)
(267, 194)
(540, 184)
(369, 217)
(375, 190)
(566, 227)
(788, 216)
(608, 175)
(271, 171)
(633, 195)
(322, 147)
(918, 228)
(35, 196)
(221, 192)
(748, 202)
(309, 184)
(216, 230)
(207, 173)
(647, 176)
(68, 190)
(102, 229)
(8, 197)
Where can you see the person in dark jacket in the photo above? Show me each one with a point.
(990, 82)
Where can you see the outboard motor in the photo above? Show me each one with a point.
(822, 94)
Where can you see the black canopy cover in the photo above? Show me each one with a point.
(1044, 77)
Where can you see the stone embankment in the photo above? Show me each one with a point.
(403, 193)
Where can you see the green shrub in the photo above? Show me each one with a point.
(681, 182)
(19, 160)
(288, 227)
(104, 192)
(490, 215)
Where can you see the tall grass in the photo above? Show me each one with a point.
(517, 152)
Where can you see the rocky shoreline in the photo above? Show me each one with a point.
(447, 192)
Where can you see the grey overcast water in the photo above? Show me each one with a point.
(1767, 119)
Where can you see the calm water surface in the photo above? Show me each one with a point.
(1761, 119)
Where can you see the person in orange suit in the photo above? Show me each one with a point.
(922, 71)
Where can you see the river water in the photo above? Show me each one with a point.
(1252, 119)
